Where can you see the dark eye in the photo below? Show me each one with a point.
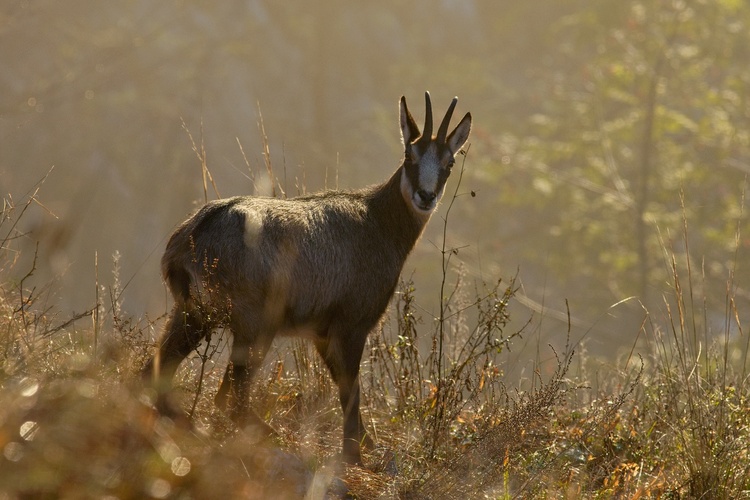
(451, 162)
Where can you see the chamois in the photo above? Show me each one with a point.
(323, 266)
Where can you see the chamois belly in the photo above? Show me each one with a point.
(309, 332)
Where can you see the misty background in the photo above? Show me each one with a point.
(599, 129)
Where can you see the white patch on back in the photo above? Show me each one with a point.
(253, 226)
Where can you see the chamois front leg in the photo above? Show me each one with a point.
(342, 356)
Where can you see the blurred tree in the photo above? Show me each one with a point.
(100, 91)
(641, 100)
(589, 119)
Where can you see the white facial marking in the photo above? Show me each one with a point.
(429, 170)
(406, 191)
(411, 197)
(428, 182)
(253, 225)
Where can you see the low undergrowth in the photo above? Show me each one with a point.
(672, 423)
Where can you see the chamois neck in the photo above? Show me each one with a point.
(399, 219)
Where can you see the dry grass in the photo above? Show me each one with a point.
(74, 421)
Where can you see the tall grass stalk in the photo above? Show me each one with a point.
(445, 255)
(704, 393)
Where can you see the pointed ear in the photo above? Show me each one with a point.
(460, 134)
(409, 129)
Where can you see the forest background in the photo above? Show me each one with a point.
(599, 129)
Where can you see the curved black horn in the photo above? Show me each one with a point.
(443, 130)
(427, 130)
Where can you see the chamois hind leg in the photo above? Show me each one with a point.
(182, 334)
(248, 352)
(342, 355)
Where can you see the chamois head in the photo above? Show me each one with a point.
(428, 159)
